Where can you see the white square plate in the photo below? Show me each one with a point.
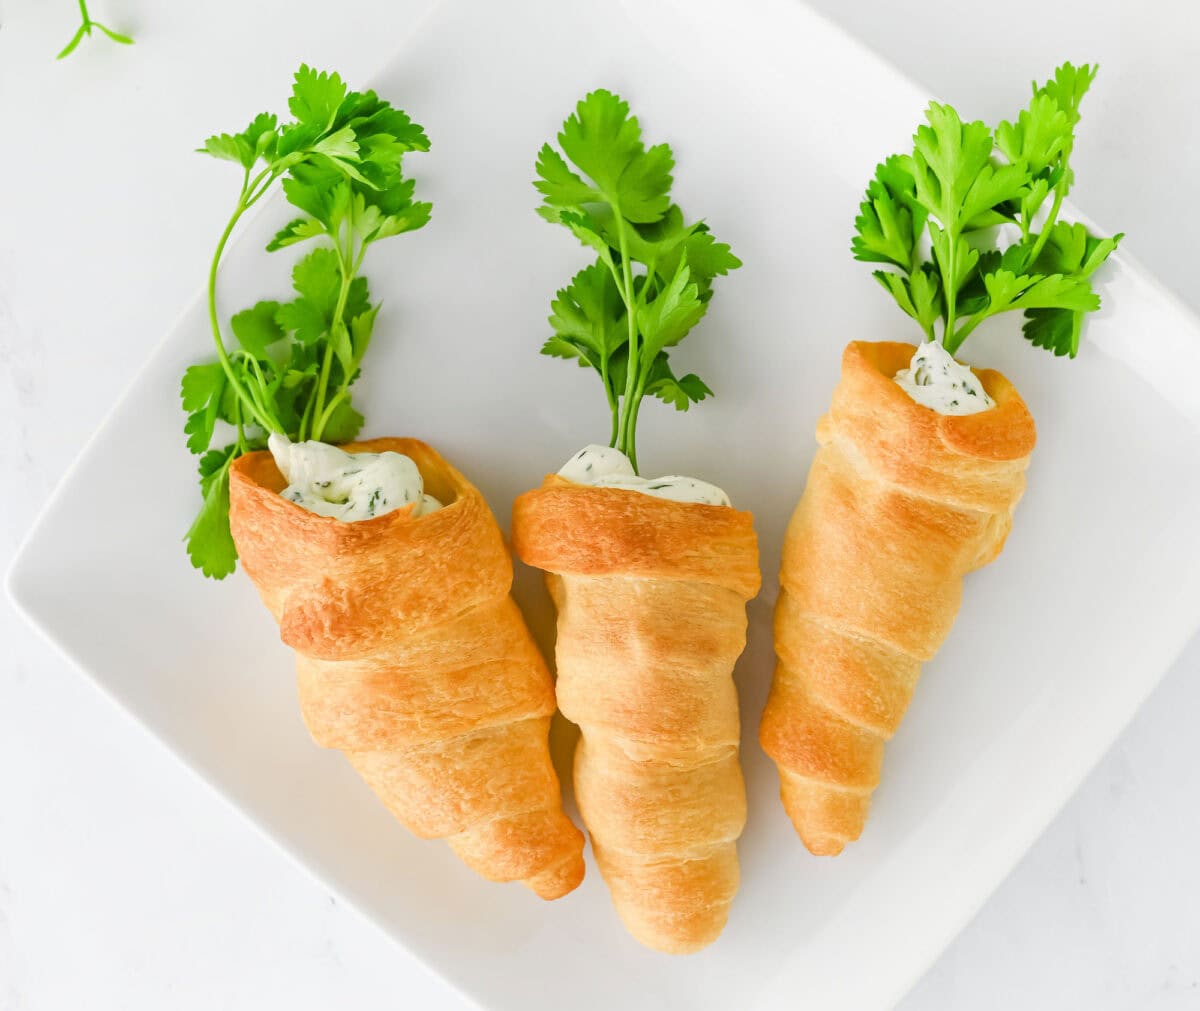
(776, 131)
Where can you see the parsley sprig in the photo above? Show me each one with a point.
(85, 29)
(293, 363)
(961, 182)
(653, 275)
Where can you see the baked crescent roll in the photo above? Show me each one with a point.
(651, 597)
(413, 660)
(901, 503)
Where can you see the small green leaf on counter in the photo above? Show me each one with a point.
(85, 29)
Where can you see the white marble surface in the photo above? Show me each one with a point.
(124, 882)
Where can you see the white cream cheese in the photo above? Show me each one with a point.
(606, 467)
(937, 381)
(348, 486)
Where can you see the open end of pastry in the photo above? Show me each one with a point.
(1003, 432)
(891, 357)
(439, 479)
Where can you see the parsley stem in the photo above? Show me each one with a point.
(628, 422)
(323, 412)
(270, 170)
(262, 418)
(1059, 192)
(318, 397)
(323, 420)
(343, 390)
(327, 363)
(953, 341)
(261, 393)
(237, 418)
(950, 284)
(85, 31)
(612, 399)
(634, 405)
(305, 421)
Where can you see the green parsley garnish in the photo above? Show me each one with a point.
(653, 275)
(85, 29)
(966, 186)
(339, 162)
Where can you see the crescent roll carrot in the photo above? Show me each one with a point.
(651, 597)
(414, 661)
(901, 503)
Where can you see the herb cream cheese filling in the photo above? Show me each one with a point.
(937, 381)
(348, 486)
(606, 467)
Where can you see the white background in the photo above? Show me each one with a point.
(124, 883)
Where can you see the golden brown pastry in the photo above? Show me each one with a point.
(414, 661)
(901, 503)
(651, 597)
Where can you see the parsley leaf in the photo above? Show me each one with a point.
(558, 184)
(889, 219)
(296, 230)
(303, 320)
(231, 147)
(200, 392)
(318, 279)
(1056, 330)
(1040, 136)
(256, 329)
(653, 275)
(344, 422)
(679, 393)
(1067, 88)
(589, 313)
(209, 542)
(670, 315)
(316, 97)
(962, 178)
(339, 164)
(1071, 250)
